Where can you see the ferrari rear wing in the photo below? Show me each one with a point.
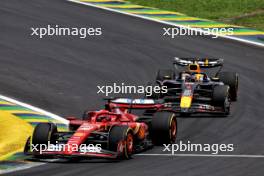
(203, 62)
(136, 103)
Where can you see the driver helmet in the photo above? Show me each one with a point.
(198, 77)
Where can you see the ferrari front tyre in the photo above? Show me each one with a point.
(27, 146)
(43, 133)
(230, 79)
(163, 128)
(121, 140)
(165, 74)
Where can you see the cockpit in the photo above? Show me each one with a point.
(193, 77)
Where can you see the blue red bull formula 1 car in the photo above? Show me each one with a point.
(198, 86)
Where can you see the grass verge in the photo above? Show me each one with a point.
(248, 13)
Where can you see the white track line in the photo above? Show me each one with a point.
(56, 117)
(167, 23)
(26, 166)
(204, 155)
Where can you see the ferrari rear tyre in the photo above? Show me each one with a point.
(121, 140)
(230, 79)
(165, 74)
(163, 128)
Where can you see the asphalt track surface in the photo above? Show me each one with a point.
(60, 74)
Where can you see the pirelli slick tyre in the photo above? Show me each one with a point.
(221, 97)
(121, 140)
(165, 74)
(44, 133)
(27, 146)
(230, 79)
(163, 128)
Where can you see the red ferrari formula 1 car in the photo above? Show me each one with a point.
(113, 132)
